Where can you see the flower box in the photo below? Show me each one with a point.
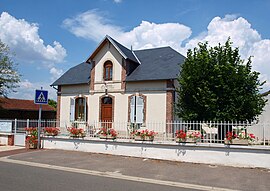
(78, 136)
(149, 138)
(144, 135)
(50, 134)
(180, 140)
(51, 131)
(107, 133)
(76, 132)
(138, 138)
(106, 137)
(186, 140)
(32, 145)
(143, 138)
(236, 142)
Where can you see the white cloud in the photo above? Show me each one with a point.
(56, 73)
(27, 90)
(243, 36)
(117, 1)
(25, 84)
(91, 25)
(94, 26)
(219, 29)
(23, 38)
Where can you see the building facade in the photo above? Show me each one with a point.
(119, 84)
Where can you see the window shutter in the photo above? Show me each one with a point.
(132, 109)
(72, 109)
(139, 109)
(85, 109)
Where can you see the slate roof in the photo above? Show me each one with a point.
(79, 74)
(125, 50)
(19, 104)
(156, 64)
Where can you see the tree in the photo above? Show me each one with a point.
(52, 103)
(9, 77)
(216, 84)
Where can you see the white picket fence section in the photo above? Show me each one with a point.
(212, 132)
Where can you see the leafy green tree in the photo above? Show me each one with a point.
(52, 103)
(216, 84)
(9, 77)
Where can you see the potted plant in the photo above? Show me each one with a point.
(144, 135)
(76, 132)
(150, 135)
(180, 136)
(51, 131)
(107, 133)
(193, 136)
(239, 138)
(31, 138)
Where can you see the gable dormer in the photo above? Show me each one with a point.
(111, 62)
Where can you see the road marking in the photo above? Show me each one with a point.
(115, 175)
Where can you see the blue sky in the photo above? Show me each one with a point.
(49, 37)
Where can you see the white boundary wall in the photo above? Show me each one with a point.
(238, 156)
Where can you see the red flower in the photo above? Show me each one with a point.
(180, 134)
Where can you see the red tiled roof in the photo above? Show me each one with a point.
(19, 104)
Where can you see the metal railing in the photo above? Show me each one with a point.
(211, 132)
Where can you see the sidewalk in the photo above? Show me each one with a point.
(199, 174)
(9, 148)
(6, 150)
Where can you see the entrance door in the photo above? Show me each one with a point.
(106, 112)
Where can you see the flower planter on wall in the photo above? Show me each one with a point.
(190, 140)
(50, 134)
(33, 145)
(77, 136)
(186, 140)
(147, 138)
(143, 138)
(106, 137)
(180, 140)
(138, 138)
(236, 142)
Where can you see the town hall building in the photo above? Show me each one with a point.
(120, 84)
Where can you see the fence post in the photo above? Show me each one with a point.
(15, 126)
(27, 123)
(264, 134)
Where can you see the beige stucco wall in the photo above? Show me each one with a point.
(155, 92)
(155, 105)
(108, 52)
(155, 108)
(75, 89)
(159, 85)
(68, 92)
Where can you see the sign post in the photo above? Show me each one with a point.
(41, 97)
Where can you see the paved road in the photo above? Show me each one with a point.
(107, 172)
(20, 177)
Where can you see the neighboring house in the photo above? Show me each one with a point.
(262, 128)
(265, 116)
(23, 109)
(119, 84)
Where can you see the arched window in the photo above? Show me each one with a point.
(108, 71)
(78, 109)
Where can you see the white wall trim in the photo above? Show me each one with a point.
(221, 155)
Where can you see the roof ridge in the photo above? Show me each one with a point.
(153, 48)
(16, 99)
